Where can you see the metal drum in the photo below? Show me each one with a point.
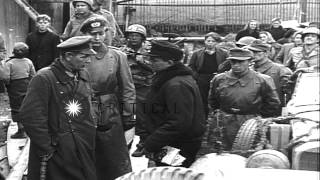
(269, 159)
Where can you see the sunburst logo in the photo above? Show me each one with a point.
(73, 108)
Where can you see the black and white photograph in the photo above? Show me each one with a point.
(159, 89)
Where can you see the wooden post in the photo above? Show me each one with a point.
(303, 10)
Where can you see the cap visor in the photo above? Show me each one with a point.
(254, 49)
(88, 52)
(98, 29)
(239, 58)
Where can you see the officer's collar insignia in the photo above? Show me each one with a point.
(73, 108)
(95, 24)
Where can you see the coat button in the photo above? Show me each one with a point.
(69, 121)
(61, 92)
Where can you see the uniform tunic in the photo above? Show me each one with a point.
(74, 25)
(278, 73)
(252, 94)
(113, 101)
(142, 77)
(57, 118)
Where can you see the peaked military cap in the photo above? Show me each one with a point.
(240, 54)
(76, 44)
(258, 46)
(96, 23)
(165, 50)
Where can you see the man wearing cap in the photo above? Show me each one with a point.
(174, 108)
(241, 94)
(142, 76)
(83, 9)
(42, 43)
(307, 55)
(276, 30)
(205, 63)
(113, 101)
(278, 72)
(56, 114)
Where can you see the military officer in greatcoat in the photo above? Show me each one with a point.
(113, 101)
(56, 114)
(241, 94)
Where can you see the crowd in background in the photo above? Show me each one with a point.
(235, 77)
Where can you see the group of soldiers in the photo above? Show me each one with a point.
(79, 110)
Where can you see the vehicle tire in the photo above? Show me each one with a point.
(246, 136)
(167, 173)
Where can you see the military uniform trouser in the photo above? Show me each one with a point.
(231, 124)
(112, 156)
(141, 114)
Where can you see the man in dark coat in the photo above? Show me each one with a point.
(56, 114)
(42, 43)
(174, 107)
(276, 30)
(241, 94)
(205, 63)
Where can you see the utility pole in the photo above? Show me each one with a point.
(303, 10)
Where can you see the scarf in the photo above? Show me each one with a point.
(163, 76)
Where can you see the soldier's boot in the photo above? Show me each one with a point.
(139, 151)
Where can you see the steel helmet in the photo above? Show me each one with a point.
(245, 41)
(136, 28)
(311, 30)
(89, 2)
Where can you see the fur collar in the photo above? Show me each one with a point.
(161, 77)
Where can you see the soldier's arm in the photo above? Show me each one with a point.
(34, 114)
(67, 31)
(213, 98)
(128, 93)
(270, 99)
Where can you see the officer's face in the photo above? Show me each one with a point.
(81, 7)
(135, 39)
(98, 37)
(210, 43)
(258, 55)
(77, 60)
(311, 39)
(238, 66)
(158, 64)
(43, 25)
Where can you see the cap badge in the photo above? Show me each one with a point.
(95, 24)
